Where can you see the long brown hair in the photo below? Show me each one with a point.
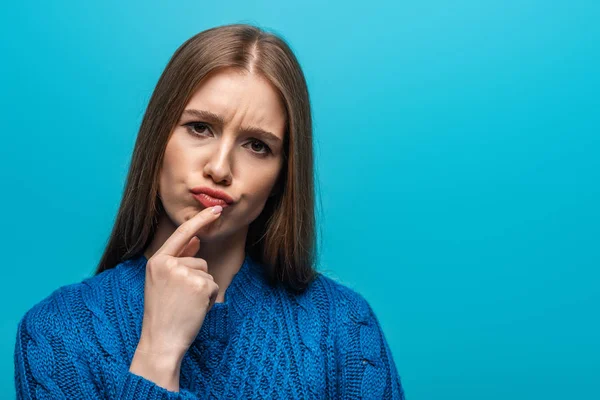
(282, 238)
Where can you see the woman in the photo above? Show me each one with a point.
(207, 287)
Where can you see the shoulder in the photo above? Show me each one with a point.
(365, 364)
(42, 341)
(348, 305)
(329, 309)
(68, 344)
(69, 328)
(356, 327)
(63, 306)
(51, 314)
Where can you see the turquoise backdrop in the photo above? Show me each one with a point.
(457, 148)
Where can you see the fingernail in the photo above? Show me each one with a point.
(217, 209)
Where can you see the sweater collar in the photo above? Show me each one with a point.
(247, 288)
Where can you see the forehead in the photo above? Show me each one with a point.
(238, 95)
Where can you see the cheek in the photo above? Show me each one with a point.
(172, 170)
(260, 182)
(254, 206)
(257, 188)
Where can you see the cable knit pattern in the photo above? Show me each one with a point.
(261, 342)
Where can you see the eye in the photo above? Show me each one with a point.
(196, 128)
(200, 128)
(261, 145)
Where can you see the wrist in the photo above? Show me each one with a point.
(159, 367)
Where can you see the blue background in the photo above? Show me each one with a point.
(457, 147)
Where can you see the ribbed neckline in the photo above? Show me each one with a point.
(242, 295)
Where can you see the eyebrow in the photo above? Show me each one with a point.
(216, 118)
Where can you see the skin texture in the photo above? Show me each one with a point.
(195, 253)
(222, 158)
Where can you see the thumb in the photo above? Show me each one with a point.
(191, 248)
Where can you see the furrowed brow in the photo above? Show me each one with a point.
(209, 116)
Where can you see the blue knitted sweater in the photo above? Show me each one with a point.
(261, 342)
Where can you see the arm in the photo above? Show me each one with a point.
(366, 368)
(50, 364)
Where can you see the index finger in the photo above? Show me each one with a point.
(184, 233)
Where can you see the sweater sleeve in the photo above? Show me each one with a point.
(49, 365)
(366, 368)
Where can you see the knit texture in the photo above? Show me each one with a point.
(261, 342)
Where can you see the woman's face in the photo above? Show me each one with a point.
(237, 149)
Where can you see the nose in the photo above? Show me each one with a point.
(218, 166)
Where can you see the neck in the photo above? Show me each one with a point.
(223, 255)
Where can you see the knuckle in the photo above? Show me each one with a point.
(171, 263)
(150, 263)
(180, 272)
(200, 285)
(153, 265)
(198, 264)
(203, 264)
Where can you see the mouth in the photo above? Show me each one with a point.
(209, 197)
(208, 201)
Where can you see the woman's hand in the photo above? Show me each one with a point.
(178, 293)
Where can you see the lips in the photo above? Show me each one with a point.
(210, 197)
(208, 201)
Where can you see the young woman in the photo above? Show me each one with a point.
(207, 287)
